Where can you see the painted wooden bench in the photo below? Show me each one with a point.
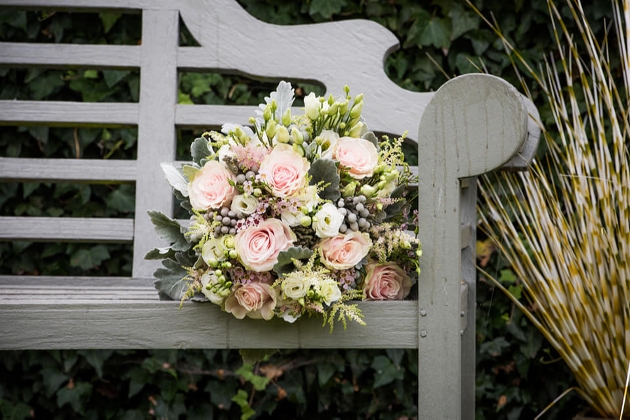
(471, 125)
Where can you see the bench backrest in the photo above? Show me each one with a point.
(473, 124)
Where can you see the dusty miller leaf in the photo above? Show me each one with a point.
(170, 281)
(285, 259)
(200, 149)
(169, 230)
(175, 178)
(325, 170)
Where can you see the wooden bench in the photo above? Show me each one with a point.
(471, 125)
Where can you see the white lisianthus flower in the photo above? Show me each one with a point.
(312, 106)
(291, 218)
(214, 250)
(327, 221)
(309, 198)
(210, 279)
(329, 142)
(289, 317)
(244, 204)
(329, 291)
(295, 287)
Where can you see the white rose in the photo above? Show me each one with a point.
(214, 250)
(329, 142)
(312, 106)
(327, 221)
(329, 291)
(210, 279)
(244, 205)
(295, 287)
(291, 218)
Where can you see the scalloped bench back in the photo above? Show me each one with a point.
(472, 125)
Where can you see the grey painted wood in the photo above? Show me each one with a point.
(67, 170)
(68, 113)
(468, 211)
(97, 323)
(71, 55)
(475, 123)
(156, 129)
(68, 229)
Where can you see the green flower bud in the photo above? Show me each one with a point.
(332, 111)
(297, 136)
(298, 149)
(267, 113)
(356, 130)
(282, 134)
(257, 192)
(286, 118)
(349, 190)
(213, 263)
(368, 190)
(331, 99)
(233, 254)
(343, 107)
(271, 129)
(392, 175)
(355, 112)
(305, 221)
(218, 273)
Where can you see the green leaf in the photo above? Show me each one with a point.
(221, 392)
(19, 411)
(326, 8)
(112, 77)
(242, 399)
(86, 259)
(52, 379)
(247, 372)
(253, 356)
(325, 171)
(122, 199)
(160, 254)
(436, 33)
(90, 74)
(285, 259)
(516, 291)
(96, 359)
(169, 230)
(462, 20)
(109, 20)
(385, 371)
(325, 371)
(184, 99)
(14, 18)
(76, 396)
(138, 378)
(199, 149)
(45, 84)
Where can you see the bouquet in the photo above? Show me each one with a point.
(299, 215)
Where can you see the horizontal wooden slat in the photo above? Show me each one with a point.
(99, 323)
(68, 170)
(55, 113)
(67, 229)
(70, 55)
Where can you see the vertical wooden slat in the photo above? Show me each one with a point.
(156, 129)
(474, 124)
(468, 206)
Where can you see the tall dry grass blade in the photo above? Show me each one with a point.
(564, 225)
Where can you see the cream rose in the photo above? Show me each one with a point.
(359, 156)
(210, 187)
(295, 287)
(329, 143)
(210, 279)
(254, 300)
(213, 251)
(327, 221)
(284, 170)
(329, 289)
(344, 251)
(244, 205)
(386, 282)
(258, 246)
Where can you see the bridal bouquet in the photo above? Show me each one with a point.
(299, 215)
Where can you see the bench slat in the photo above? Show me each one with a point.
(71, 229)
(56, 113)
(67, 170)
(71, 55)
(158, 324)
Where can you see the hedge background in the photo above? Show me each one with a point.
(518, 373)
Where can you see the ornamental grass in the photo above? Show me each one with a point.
(563, 226)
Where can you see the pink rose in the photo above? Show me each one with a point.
(255, 300)
(386, 282)
(284, 170)
(258, 246)
(341, 252)
(210, 187)
(359, 156)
